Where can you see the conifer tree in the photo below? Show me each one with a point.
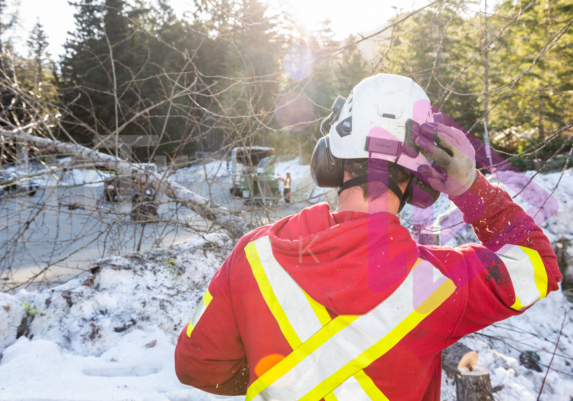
(350, 70)
(37, 53)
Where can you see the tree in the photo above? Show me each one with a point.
(123, 58)
(541, 100)
(7, 22)
(432, 47)
(37, 53)
(350, 69)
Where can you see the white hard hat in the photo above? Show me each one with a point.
(377, 121)
(380, 107)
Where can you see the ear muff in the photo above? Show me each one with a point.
(326, 170)
(420, 194)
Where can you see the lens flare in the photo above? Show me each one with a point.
(294, 111)
(298, 62)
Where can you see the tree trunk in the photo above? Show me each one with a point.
(471, 384)
(220, 216)
(474, 386)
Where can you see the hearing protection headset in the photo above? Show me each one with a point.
(379, 122)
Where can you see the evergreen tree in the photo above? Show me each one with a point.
(350, 70)
(37, 53)
(424, 50)
(8, 21)
(541, 100)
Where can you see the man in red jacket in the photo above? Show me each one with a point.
(345, 305)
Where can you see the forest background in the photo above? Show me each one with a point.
(262, 79)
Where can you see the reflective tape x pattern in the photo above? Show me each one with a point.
(329, 361)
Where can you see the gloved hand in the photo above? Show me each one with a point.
(451, 156)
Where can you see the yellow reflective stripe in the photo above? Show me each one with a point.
(527, 274)
(311, 345)
(517, 305)
(336, 334)
(207, 298)
(301, 316)
(201, 308)
(319, 310)
(539, 268)
(382, 346)
(369, 387)
(365, 382)
(363, 379)
(269, 296)
(330, 397)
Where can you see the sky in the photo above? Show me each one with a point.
(348, 17)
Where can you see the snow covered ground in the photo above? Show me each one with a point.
(112, 336)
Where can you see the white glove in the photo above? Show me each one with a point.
(452, 153)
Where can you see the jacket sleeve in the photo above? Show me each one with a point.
(209, 354)
(513, 268)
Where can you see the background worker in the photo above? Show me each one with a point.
(345, 305)
(286, 189)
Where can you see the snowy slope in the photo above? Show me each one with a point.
(112, 337)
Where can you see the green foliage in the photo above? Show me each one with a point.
(444, 43)
(124, 56)
(541, 98)
(431, 48)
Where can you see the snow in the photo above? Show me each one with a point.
(211, 170)
(49, 178)
(11, 315)
(535, 330)
(112, 336)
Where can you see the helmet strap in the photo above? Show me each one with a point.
(386, 180)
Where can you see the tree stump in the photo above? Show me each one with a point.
(453, 355)
(474, 386)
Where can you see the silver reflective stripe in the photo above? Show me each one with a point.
(300, 314)
(199, 311)
(529, 279)
(290, 296)
(201, 308)
(351, 390)
(335, 354)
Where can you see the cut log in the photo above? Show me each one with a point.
(454, 355)
(474, 386)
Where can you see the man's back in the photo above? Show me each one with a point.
(347, 306)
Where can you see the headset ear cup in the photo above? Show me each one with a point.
(326, 170)
(420, 194)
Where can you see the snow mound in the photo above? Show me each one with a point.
(506, 349)
(112, 336)
(11, 315)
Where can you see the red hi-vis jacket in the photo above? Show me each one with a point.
(346, 306)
